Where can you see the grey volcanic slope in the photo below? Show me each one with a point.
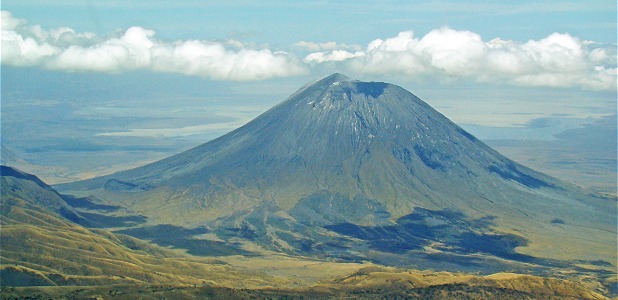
(346, 168)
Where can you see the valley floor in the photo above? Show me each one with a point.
(283, 277)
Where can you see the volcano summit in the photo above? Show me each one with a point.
(366, 171)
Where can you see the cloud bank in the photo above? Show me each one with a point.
(559, 60)
(138, 49)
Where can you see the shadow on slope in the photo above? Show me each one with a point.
(184, 238)
(96, 220)
(101, 215)
(444, 230)
(86, 203)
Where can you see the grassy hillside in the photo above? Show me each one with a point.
(41, 247)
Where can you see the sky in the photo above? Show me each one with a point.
(122, 82)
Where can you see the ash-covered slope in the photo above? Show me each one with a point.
(345, 168)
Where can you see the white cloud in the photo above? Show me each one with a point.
(197, 58)
(559, 60)
(8, 22)
(328, 46)
(138, 49)
(335, 55)
(453, 52)
(129, 52)
(60, 37)
(20, 51)
(311, 46)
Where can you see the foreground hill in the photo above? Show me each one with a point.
(364, 284)
(367, 171)
(40, 247)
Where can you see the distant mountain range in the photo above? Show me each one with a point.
(352, 170)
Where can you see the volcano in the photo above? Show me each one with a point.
(365, 170)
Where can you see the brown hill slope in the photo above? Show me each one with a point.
(40, 247)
